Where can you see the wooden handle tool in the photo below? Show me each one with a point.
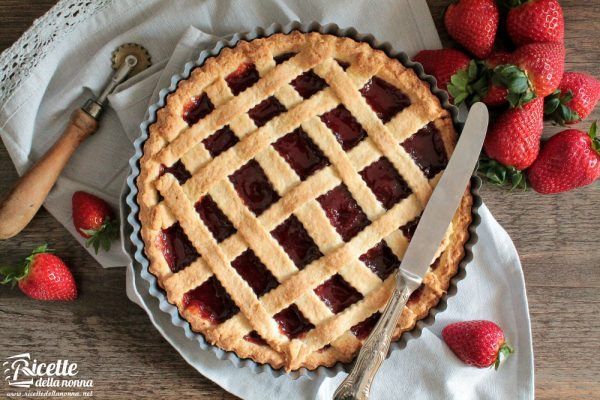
(31, 190)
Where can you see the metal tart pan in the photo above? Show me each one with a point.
(134, 246)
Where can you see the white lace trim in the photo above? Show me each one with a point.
(17, 62)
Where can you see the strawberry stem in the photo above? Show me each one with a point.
(503, 353)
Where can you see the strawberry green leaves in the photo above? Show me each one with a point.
(14, 273)
(103, 237)
(516, 81)
(469, 85)
(556, 108)
(501, 175)
(473, 84)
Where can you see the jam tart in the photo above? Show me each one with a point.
(280, 186)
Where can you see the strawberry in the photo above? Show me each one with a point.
(575, 98)
(43, 276)
(535, 70)
(442, 64)
(95, 220)
(531, 21)
(473, 24)
(477, 343)
(568, 160)
(513, 140)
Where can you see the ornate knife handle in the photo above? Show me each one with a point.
(358, 383)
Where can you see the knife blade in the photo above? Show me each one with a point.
(432, 227)
(445, 199)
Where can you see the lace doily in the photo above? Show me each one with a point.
(17, 62)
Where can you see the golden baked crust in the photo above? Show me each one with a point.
(164, 201)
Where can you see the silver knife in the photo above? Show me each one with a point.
(430, 232)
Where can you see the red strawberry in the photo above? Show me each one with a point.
(575, 98)
(514, 138)
(442, 64)
(473, 24)
(568, 160)
(477, 343)
(544, 64)
(536, 70)
(43, 276)
(535, 21)
(95, 220)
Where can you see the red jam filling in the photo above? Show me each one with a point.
(324, 348)
(426, 147)
(435, 264)
(416, 295)
(178, 170)
(220, 141)
(214, 219)
(197, 108)
(254, 337)
(381, 260)
(308, 84)
(292, 323)
(343, 212)
(211, 301)
(410, 228)
(259, 278)
(177, 248)
(266, 110)
(343, 64)
(385, 182)
(363, 329)
(337, 294)
(385, 99)
(283, 57)
(253, 186)
(301, 153)
(242, 78)
(344, 126)
(296, 242)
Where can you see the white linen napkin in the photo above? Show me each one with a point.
(426, 369)
(33, 116)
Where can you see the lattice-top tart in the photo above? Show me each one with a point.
(279, 188)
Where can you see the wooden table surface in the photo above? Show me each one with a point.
(115, 344)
